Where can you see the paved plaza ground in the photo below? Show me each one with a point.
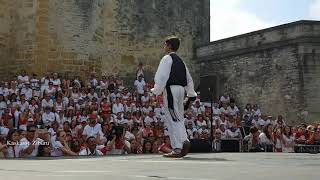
(219, 166)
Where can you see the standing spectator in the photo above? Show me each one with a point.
(56, 82)
(140, 86)
(280, 122)
(140, 71)
(22, 79)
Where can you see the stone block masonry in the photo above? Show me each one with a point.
(106, 36)
(277, 68)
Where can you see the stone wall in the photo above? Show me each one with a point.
(105, 36)
(277, 68)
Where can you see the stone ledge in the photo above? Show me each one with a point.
(278, 44)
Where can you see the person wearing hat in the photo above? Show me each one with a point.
(173, 80)
(93, 128)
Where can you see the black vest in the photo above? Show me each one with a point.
(178, 74)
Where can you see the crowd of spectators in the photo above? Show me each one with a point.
(61, 116)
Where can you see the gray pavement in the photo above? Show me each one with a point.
(220, 166)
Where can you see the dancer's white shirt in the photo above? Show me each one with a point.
(176, 129)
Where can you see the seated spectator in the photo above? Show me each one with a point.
(46, 102)
(200, 122)
(48, 117)
(190, 129)
(91, 148)
(135, 147)
(266, 138)
(30, 144)
(217, 140)
(117, 107)
(150, 118)
(256, 110)
(278, 140)
(225, 98)
(300, 137)
(253, 141)
(233, 132)
(44, 150)
(155, 147)
(288, 140)
(197, 108)
(118, 145)
(166, 146)
(60, 146)
(11, 149)
(92, 129)
(147, 131)
(232, 109)
(223, 131)
(147, 147)
(216, 110)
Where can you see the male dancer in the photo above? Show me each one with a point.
(173, 80)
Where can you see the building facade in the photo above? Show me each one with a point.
(277, 68)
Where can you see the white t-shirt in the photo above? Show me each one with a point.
(87, 152)
(140, 86)
(56, 149)
(129, 136)
(23, 78)
(117, 108)
(232, 111)
(149, 120)
(264, 139)
(23, 106)
(46, 103)
(216, 111)
(27, 93)
(24, 144)
(287, 141)
(4, 131)
(230, 134)
(94, 131)
(146, 110)
(14, 151)
(48, 118)
(145, 99)
(198, 110)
